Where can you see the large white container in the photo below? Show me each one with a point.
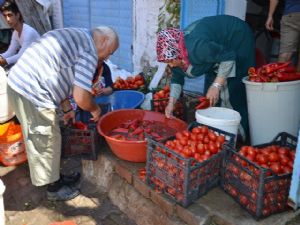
(236, 8)
(6, 112)
(2, 216)
(219, 117)
(272, 108)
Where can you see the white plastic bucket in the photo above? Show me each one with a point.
(2, 216)
(6, 112)
(272, 108)
(222, 118)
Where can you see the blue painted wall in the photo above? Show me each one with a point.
(114, 13)
(192, 10)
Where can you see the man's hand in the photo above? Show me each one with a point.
(69, 116)
(269, 23)
(3, 61)
(96, 114)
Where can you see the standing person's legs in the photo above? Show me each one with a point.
(41, 134)
(42, 139)
(289, 36)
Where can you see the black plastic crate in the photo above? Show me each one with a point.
(159, 105)
(258, 190)
(80, 143)
(183, 179)
(83, 143)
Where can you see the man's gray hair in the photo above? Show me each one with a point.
(108, 32)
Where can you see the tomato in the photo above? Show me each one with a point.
(206, 140)
(186, 133)
(207, 152)
(198, 157)
(204, 129)
(284, 160)
(233, 192)
(252, 152)
(200, 137)
(291, 163)
(275, 167)
(261, 158)
(218, 144)
(273, 157)
(187, 153)
(244, 150)
(283, 151)
(287, 169)
(250, 158)
(161, 94)
(211, 135)
(178, 135)
(193, 136)
(212, 148)
(243, 200)
(196, 130)
(221, 139)
(200, 148)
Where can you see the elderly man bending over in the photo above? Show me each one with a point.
(62, 62)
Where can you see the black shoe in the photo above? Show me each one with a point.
(71, 179)
(64, 193)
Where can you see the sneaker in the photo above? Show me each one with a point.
(66, 192)
(70, 179)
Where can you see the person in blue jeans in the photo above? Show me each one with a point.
(289, 29)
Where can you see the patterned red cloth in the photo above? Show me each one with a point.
(167, 46)
(170, 45)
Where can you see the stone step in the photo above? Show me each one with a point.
(147, 207)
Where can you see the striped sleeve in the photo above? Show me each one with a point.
(84, 70)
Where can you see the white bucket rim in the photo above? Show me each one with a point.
(217, 121)
(2, 187)
(246, 81)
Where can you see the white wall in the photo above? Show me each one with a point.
(145, 28)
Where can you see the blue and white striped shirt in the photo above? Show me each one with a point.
(48, 69)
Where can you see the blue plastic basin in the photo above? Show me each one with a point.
(124, 99)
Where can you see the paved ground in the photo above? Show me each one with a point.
(27, 205)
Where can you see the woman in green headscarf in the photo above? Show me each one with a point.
(221, 47)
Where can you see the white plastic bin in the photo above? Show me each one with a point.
(236, 8)
(2, 216)
(272, 108)
(219, 117)
(6, 112)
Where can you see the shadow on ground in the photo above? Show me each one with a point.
(26, 204)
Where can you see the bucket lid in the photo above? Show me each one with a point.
(218, 116)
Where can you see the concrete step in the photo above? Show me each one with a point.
(147, 207)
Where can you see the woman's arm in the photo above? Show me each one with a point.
(226, 69)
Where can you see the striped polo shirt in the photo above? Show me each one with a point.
(48, 69)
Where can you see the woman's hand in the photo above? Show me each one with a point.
(213, 95)
(169, 110)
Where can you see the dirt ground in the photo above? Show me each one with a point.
(27, 205)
